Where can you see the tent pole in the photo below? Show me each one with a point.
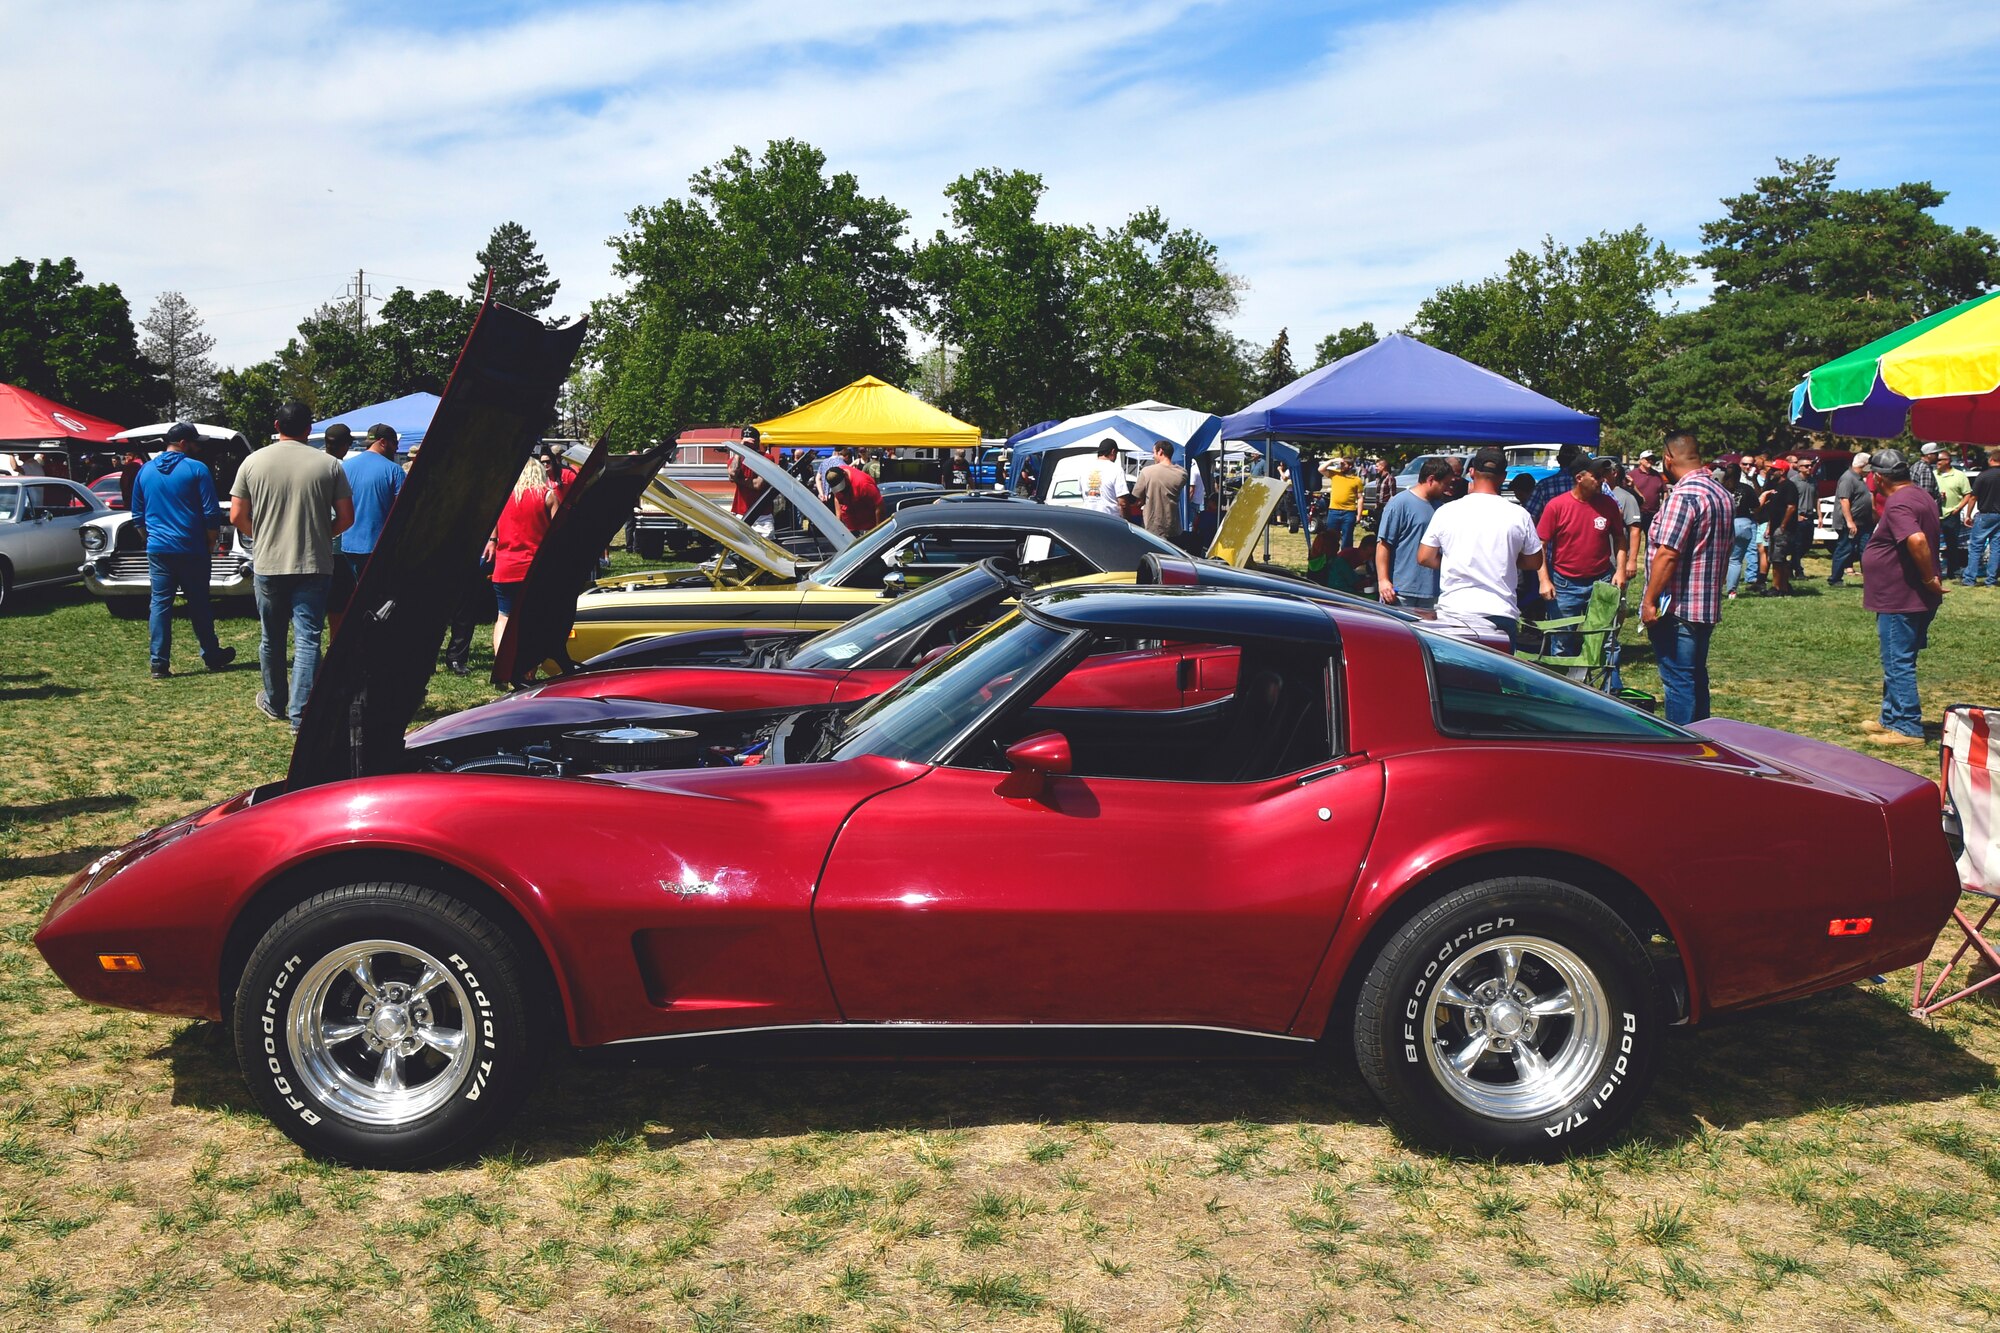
(1267, 526)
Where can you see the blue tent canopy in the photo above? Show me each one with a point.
(410, 416)
(1404, 390)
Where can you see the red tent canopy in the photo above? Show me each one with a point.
(29, 418)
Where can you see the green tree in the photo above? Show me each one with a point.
(1804, 272)
(1345, 343)
(1577, 324)
(1000, 291)
(772, 284)
(1274, 368)
(1150, 301)
(337, 363)
(73, 341)
(177, 344)
(520, 274)
(419, 339)
(247, 400)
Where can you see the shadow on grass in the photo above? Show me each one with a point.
(47, 812)
(63, 864)
(45, 691)
(1851, 1047)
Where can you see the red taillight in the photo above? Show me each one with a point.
(1850, 925)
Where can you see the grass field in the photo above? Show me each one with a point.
(1830, 1164)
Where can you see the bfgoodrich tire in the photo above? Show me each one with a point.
(389, 1025)
(1516, 1017)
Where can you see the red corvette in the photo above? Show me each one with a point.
(1365, 833)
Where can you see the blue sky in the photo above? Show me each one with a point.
(1347, 158)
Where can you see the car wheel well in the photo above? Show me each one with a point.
(302, 881)
(1613, 889)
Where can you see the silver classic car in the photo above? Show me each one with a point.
(41, 525)
(114, 547)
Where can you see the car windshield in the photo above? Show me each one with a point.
(1531, 455)
(853, 644)
(836, 571)
(914, 721)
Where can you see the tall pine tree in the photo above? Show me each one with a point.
(520, 274)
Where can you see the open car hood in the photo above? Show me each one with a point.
(1249, 513)
(810, 508)
(373, 679)
(594, 507)
(669, 496)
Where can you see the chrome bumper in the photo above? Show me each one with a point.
(126, 574)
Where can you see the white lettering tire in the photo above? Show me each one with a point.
(388, 1025)
(1517, 1017)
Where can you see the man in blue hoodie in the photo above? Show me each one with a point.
(173, 502)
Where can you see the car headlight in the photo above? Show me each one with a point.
(94, 539)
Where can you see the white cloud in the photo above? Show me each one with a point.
(250, 154)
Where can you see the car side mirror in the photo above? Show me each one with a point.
(895, 583)
(1032, 761)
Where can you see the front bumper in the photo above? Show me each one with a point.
(126, 574)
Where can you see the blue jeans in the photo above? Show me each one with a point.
(1847, 551)
(1903, 634)
(1982, 551)
(1572, 599)
(1739, 547)
(1680, 651)
(187, 572)
(1951, 555)
(300, 599)
(1340, 523)
(1508, 626)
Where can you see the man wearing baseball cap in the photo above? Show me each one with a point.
(1648, 485)
(1479, 544)
(174, 504)
(374, 481)
(1853, 519)
(1901, 585)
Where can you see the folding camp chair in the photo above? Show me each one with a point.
(1972, 815)
(1597, 634)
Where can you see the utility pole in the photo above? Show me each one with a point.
(360, 292)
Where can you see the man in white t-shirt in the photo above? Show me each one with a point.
(1104, 485)
(1478, 543)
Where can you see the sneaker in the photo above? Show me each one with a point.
(1872, 725)
(264, 707)
(1886, 737)
(221, 658)
(458, 668)
(160, 671)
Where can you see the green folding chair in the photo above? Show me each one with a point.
(1597, 638)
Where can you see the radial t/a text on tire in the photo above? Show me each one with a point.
(389, 1025)
(1517, 1017)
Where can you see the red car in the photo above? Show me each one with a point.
(1324, 826)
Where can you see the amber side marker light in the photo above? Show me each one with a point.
(1850, 925)
(120, 962)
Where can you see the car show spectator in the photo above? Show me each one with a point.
(746, 486)
(337, 440)
(1556, 483)
(174, 504)
(1923, 474)
(1583, 534)
(1853, 519)
(1690, 540)
(857, 500)
(1400, 578)
(1104, 485)
(1804, 470)
(1982, 513)
(1778, 500)
(374, 480)
(1158, 491)
(291, 500)
(1479, 545)
(1743, 531)
(517, 535)
(838, 456)
(1458, 487)
(1343, 501)
(1902, 586)
(1954, 497)
(1621, 492)
(128, 474)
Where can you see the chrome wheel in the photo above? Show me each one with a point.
(378, 1031)
(1515, 1027)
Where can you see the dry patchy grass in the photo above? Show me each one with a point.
(1829, 1164)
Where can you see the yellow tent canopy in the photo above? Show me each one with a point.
(868, 414)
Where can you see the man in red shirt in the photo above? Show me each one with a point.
(1583, 531)
(749, 487)
(856, 498)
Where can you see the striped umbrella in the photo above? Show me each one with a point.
(1940, 376)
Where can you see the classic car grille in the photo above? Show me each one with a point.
(131, 565)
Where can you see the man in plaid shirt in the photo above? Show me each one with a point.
(1683, 600)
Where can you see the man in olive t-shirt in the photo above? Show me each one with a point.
(1158, 491)
(290, 499)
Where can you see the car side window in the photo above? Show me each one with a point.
(55, 498)
(1143, 713)
(10, 503)
(1477, 692)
